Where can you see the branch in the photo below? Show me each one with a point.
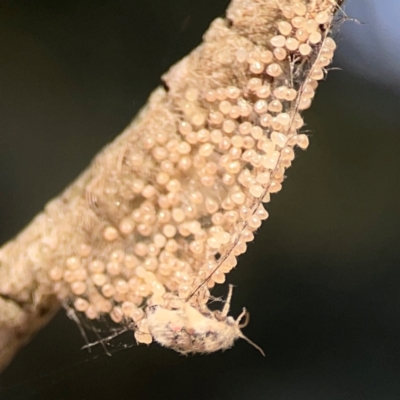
(163, 211)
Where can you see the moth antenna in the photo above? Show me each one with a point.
(218, 266)
(236, 241)
(238, 236)
(252, 343)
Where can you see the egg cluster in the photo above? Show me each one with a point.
(187, 194)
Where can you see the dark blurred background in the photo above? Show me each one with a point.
(322, 278)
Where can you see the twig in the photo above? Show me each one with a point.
(167, 207)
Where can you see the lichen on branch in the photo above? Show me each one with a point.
(164, 211)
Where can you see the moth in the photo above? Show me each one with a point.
(189, 329)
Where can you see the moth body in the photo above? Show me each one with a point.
(186, 329)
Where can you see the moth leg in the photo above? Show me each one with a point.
(72, 315)
(190, 341)
(105, 340)
(186, 343)
(227, 305)
(245, 314)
